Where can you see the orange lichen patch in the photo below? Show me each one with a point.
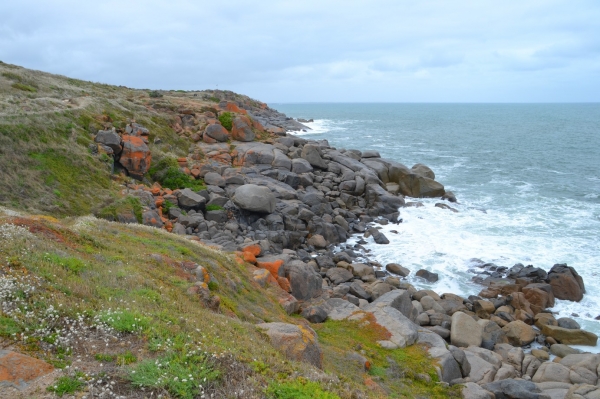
(232, 107)
(195, 173)
(136, 156)
(187, 171)
(253, 249)
(372, 384)
(263, 277)
(249, 257)
(37, 227)
(273, 267)
(377, 330)
(18, 370)
(239, 260)
(284, 283)
(156, 188)
(257, 125)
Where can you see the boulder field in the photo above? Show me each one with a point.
(287, 205)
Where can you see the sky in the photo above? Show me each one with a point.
(318, 50)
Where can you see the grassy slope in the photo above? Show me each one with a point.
(126, 308)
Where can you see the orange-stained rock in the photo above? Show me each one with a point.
(159, 201)
(264, 277)
(253, 249)
(195, 172)
(207, 139)
(232, 107)
(249, 257)
(135, 157)
(284, 283)
(257, 125)
(187, 171)
(155, 189)
(239, 260)
(241, 129)
(297, 342)
(168, 191)
(273, 267)
(19, 370)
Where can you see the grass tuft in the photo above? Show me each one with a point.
(226, 119)
(298, 389)
(67, 385)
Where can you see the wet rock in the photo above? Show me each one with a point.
(397, 269)
(427, 275)
(570, 337)
(566, 283)
(566, 322)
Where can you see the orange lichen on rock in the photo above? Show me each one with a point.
(136, 157)
(18, 370)
(253, 249)
(284, 283)
(273, 266)
(232, 107)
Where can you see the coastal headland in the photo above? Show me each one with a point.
(220, 240)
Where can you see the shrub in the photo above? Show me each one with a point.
(67, 385)
(24, 87)
(298, 389)
(129, 205)
(154, 94)
(226, 119)
(174, 178)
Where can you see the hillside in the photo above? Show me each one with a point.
(126, 310)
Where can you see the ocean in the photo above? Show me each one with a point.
(526, 176)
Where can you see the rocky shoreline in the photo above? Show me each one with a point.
(288, 205)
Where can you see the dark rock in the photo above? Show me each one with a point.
(357, 290)
(338, 275)
(219, 216)
(315, 314)
(566, 283)
(188, 199)
(304, 281)
(216, 132)
(427, 275)
(514, 389)
(254, 198)
(110, 139)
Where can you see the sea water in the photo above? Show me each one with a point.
(526, 176)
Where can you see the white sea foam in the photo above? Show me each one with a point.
(320, 126)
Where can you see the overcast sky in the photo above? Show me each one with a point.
(318, 50)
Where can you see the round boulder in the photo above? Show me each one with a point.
(251, 197)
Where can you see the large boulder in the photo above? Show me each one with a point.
(217, 132)
(304, 281)
(296, 342)
(377, 197)
(338, 275)
(511, 388)
(570, 337)
(188, 199)
(550, 371)
(465, 331)
(110, 139)
(18, 371)
(398, 299)
(473, 391)
(251, 197)
(403, 332)
(312, 154)
(300, 165)
(423, 170)
(241, 130)
(566, 283)
(135, 156)
(518, 333)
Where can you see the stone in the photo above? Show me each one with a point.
(465, 331)
(317, 241)
(241, 129)
(568, 323)
(305, 283)
(492, 334)
(300, 165)
(358, 291)
(430, 304)
(550, 371)
(403, 331)
(296, 342)
(447, 366)
(315, 314)
(517, 389)
(570, 337)
(397, 269)
(542, 319)
(217, 132)
(584, 391)
(339, 275)
(566, 283)
(423, 170)
(251, 197)
(482, 371)
(339, 309)
(540, 354)
(427, 275)
(518, 333)
(151, 218)
(362, 270)
(135, 157)
(214, 179)
(188, 199)
(530, 365)
(110, 139)
(398, 299)
(562, 350)
(18, 370)
(473, 391)
(312, 154)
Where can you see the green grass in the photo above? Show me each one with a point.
(124, 208)
(104, 358)
(167, 172)
(214, 207)
(71, 264)
(24, 87)
(299, 389)
(125, 321)
(67, 385)
(181, 374)
(8, 327)
(226, 119)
